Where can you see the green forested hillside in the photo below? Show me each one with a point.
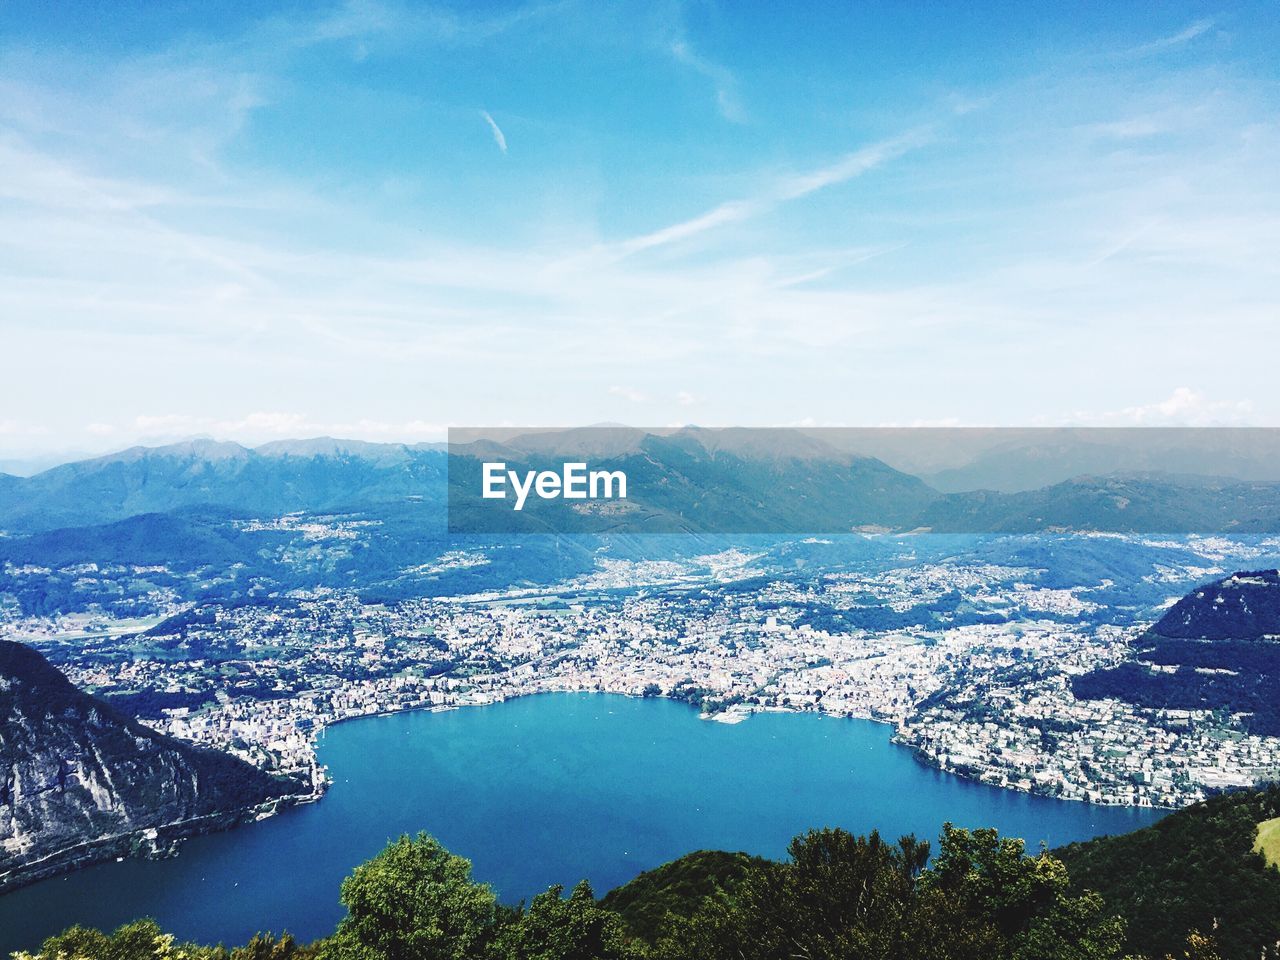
(1194, 870)
(1222, 642)
(677, 888)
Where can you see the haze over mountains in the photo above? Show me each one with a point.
(1017, 459)
(277, 478)
(742, 480)
(693, 479)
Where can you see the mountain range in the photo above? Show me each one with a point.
(680, 481)
(294, 475)
(789, 481)
(1019, 459)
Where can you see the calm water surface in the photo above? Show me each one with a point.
(543, 790)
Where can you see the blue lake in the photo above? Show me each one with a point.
(543, 790)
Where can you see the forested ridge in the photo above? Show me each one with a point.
(1215, 649)
(1195, 869)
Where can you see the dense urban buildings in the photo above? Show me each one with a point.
(971, 662)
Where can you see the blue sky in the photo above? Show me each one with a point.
(376, 220)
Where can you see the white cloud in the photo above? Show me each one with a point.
(628, 393)
(1038, 248)
(498, 136)
(1184, 407)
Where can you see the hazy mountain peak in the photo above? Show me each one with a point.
(329, 447)
(197, 448)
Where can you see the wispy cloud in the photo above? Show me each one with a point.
(851, 165)
(498, 136)
(1130, 128)
(779, 191)
(1032, 248)
(1184, 36)
(725, 213)
(722, 80)
(396, 22)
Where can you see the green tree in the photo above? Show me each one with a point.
(841, 896)
(1014, 905)
(413, 901)
(140, 940)
(993, 878)
(1073, 928)
(264, 946)
(565, 928)
(838, 896)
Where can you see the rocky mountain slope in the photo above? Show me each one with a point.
(81, 782)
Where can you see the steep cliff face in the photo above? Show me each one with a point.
(80, 781)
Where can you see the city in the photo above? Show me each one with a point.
(988, 697)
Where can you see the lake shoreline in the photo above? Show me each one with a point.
(547, 788)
